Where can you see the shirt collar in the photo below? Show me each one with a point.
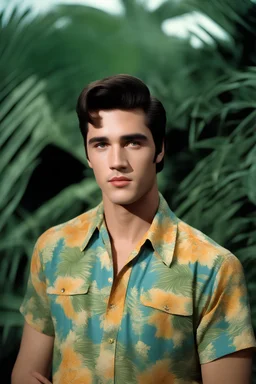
(93, 221)
(162, 232)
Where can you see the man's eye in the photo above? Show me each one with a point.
(134, 143)
(100, 145)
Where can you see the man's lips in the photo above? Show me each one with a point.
(122, 178)
(119, 182)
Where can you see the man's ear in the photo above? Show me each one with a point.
(160, 155)
(87, 158)
(89, 163)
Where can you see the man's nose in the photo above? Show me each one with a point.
(117, 158)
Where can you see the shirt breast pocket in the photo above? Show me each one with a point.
(169, 314)
(70, 305)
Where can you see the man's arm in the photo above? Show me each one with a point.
(235, 368)
(35, 355)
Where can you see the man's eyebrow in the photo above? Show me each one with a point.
(98, 139)
(133, 136)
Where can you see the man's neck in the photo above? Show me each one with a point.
(129, 223)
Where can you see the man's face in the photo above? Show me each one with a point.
(121, 154)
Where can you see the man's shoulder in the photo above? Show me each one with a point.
(194, 246)
(73, 231)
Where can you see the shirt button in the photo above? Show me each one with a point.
(111, 341)
(62, 290)
(110, 280)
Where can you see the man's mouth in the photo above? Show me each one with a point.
(119, 181)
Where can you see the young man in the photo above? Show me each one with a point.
(127, 292)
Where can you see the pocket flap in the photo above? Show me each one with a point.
(67, 290)
(167, 302)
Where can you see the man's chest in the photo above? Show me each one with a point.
(132, 319)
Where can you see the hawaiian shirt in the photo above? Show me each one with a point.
(179, 302)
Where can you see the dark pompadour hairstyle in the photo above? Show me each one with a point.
(122, 92)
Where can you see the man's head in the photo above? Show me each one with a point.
(123, 129)
(123, 92)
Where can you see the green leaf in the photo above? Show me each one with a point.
(82, 344)
(177, 279)
(252, 184)
(75, 263)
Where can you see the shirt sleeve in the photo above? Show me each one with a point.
(35, 306)
(225, 326)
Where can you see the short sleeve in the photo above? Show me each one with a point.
(35, 306)
(225, 325)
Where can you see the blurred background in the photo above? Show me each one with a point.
(197, 56)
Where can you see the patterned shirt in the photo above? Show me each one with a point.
(180, 301)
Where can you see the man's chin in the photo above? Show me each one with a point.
(123, 198)
(123, 201)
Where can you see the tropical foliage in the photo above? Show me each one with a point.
(209, 93)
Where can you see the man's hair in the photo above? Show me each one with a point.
(122, 92)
